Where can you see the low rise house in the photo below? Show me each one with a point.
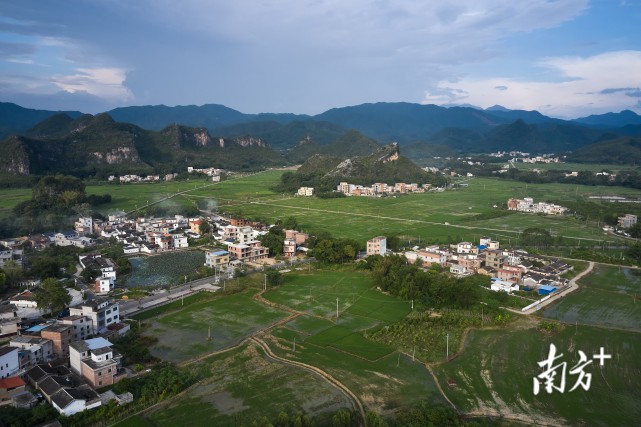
(627, 221)
(10, 387)
(24, 300)
(95, 361)
(305, 191)
(217, 259)
(433, 256)
(66, 392)
(250, 252)
(299, 237)
(499, 285)
(459, 270)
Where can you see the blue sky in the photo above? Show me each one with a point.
(567, 58)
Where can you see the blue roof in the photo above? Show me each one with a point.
(481, 247)
(547, 288)
(95, 343)
(37, 328)
(219, 253)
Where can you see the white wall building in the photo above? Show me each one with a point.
(9, 362)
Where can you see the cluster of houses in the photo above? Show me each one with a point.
(510, 270)
(65, 359)
(150, 235)
(136, 178)
(380, 188)
(527, 205)
(241, 238)
(213, 172)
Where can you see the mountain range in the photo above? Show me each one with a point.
(161, 138)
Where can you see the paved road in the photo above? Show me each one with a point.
(130, 307)
(572, 286)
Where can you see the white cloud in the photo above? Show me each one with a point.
(582, 86)
(102, 82)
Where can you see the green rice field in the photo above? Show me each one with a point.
(495, 375)
(609, 296)
(185, 334)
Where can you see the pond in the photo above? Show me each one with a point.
(163, 269)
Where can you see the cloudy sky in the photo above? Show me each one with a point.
(566, 58)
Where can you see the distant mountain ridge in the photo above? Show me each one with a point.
(15, 119)
(457, 128)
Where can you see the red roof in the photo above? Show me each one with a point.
(11, 382)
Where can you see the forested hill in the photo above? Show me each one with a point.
(384, 165)
(620, 150)
(98, 146)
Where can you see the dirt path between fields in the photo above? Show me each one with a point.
(330, 379)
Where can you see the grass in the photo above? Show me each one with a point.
(184, 334)
(494, 375)
(607, 297)
(242, 385)
(346, 340)
(10, 198)
(384, 384)
(316, 293)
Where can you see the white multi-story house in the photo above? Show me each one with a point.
(9, 362)
(305, 191)
(32, 350)
(101, 312)
(179, 241)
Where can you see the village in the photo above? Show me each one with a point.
(67, 357)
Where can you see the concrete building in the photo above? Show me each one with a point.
(179, 241)
(305, 191)
(377, 246)
(289, 248)
(32, 350)
(250, 252)
(217, 259)
(101, 312)
(627, 221)
(9, 362)
(61, 336)
(95, 361)
(82, 326)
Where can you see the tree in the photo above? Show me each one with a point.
(342, 418)
(52, 296)
(90, 274)
(3, 280)
(12, 271)
(205, 227)
(274, 242)
(635, 230)
(290, 223)
(274, 278)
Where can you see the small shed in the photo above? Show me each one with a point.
(546, 289)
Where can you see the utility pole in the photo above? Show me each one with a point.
(337, 309)
(412, 305)
(447, 341)
(294, 344)
(265, 285)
